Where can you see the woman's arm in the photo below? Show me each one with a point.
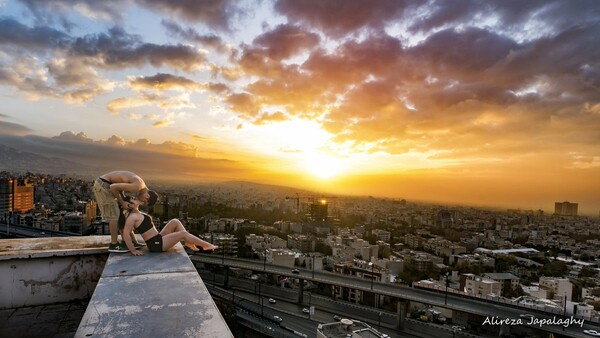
(130, 222)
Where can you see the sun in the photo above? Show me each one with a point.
(323, 166)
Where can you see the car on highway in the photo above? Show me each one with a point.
(458, 327)
(277, 319)
(527, 316)
(305, 310)
(592, 333)
(295, 271)
(272, 301)
(337, 318)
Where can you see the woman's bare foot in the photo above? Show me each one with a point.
(209, 247)
(192, 247)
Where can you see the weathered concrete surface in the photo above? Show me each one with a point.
(155, 295)
(52, 246)
(40, 271)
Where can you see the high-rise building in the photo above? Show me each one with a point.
(15, 196)
(318, 210)
(444, 219)
(6, 197)
(23, 196)
(565, 208)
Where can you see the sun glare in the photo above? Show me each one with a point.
(323, 166)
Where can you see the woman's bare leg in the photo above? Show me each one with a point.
(191, 241)
(175, 226)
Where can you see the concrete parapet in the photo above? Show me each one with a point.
(155, 295)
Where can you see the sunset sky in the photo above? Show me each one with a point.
(480, 102)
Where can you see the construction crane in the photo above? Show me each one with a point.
(297, 198)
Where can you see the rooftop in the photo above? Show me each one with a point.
(71, 286)
(348, 328)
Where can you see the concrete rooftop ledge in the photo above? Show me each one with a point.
(155, 295)
(25, 248)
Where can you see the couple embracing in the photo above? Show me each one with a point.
(110, 190)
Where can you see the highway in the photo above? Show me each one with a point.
(455, 302)
(30, 232)
(295, 320)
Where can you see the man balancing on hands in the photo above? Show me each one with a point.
(109, 190)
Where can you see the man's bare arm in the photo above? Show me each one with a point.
(118, 188)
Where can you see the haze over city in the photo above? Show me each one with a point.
(490, 103)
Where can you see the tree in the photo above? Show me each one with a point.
(587, 271)
(554, 269)
(323, 248)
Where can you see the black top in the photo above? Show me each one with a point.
(146, 224)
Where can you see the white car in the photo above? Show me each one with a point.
(272, 301)
(277, 319)
(592, 333)
(305, 310)
(458, 327)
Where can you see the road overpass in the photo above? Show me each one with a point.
(462, 303)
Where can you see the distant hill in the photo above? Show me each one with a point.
(14, 160)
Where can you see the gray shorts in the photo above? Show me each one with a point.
(107, 202)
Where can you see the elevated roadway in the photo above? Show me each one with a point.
(470, 305)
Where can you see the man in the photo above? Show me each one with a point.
(109, 189)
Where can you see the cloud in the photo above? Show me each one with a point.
(45, 11)
(118, 49)
(243, 103)
(164, 82)
(285, 41)
(147, 99)
(177, 160)
(338, 18)
(189, 34)
(216, 14)
(71, 136)
(162, 123)
(271, 118)
(10, 128)
(39, 39)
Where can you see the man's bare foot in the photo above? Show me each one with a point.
(192, 247)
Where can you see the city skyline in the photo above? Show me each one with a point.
(483, 103)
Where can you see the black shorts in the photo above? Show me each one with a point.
(155, 244)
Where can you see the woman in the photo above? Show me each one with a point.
(170, 235)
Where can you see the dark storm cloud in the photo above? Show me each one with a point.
(339, 18)
(189, 34)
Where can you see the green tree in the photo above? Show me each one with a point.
(554, 269)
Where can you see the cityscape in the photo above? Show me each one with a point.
(365, 169)
(547, 261)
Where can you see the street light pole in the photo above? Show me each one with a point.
(313, 266)
(379, 323)
(309, 304)
(446, 294)
(222, 253)
(260, 301)
(372, 275)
